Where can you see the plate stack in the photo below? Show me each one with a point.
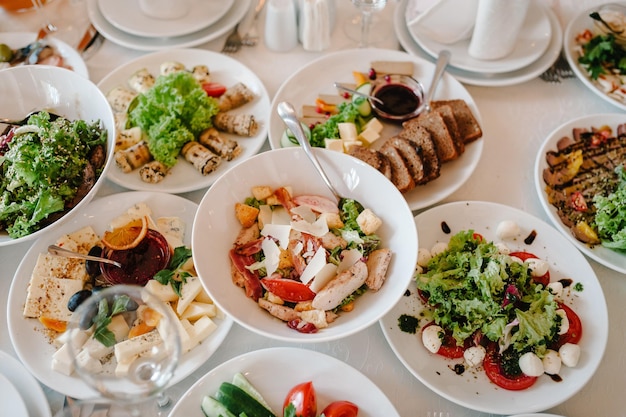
(122, 22)
(537, 47)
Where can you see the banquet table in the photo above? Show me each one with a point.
(516, 120)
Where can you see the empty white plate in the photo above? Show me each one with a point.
(11, 400)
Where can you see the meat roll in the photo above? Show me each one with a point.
(200, 157)
(238, 124)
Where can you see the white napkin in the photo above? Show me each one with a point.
(444, 21)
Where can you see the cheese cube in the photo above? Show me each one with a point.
(374, 124)
(334, 144)
(127, 350)
(368, 136)
(121, 369)
(198, 331)
(347, 131)
(62, 361)
(162, 292)
(88, 363)
(196, 310)
(188, 293)
(203, 297)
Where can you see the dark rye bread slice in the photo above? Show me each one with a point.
(450, 121)
(411, 155)
(469, 128)
(433, 122)
(420, 136)
(400, 174)
(372, 157)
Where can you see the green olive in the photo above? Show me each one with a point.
(6, 53)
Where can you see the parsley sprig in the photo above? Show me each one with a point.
(174, 275)
(602, 54)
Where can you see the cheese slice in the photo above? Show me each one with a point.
(272, 255)
(319, 228)
(317, 262)
(279, 232)
(188, 292)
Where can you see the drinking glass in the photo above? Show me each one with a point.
(132, 386)
(365, 27)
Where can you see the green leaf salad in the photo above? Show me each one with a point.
(610, 217)
(173, 112)
(473, 288)
(41, 169)
(348, 113)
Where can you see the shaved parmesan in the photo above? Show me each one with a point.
(323, 277)
(281, 216)
(316, 263)
(272, 255)
(305, 212)
(319, 228)
(279, 232)
(348, 258)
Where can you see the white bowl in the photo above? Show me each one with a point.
(216, 227)
(66, 93)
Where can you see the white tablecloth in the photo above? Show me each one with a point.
(516, 120)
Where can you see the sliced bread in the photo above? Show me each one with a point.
(410, 152)
(469, 128)
(420, 136)
(435, 125)
(372, 157)
(450, 120)
(400, 173)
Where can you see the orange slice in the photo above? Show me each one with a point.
(53, 324)
(127, 236)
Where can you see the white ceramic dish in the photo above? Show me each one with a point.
(26, 385)
(473, 389)
(300, 89)
(142, 43)
(127, 16)
(67, 94)
(480, 79)
(12, 402)
(577, 25)
(69, 54)
(216, 227)
(184, 177)
(609, 258)
(27, 336)
(534, 38)
(536, 415)
(268, 371)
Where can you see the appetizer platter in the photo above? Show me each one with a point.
(469, 386)
(263, 369)
(568, 185)
(218, 83)
(339, 67)
(40, 304)
(585, 37)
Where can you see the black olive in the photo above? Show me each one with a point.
(77, 299)
(86, 320)
(93, 267)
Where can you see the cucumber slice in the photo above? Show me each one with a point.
(238, 401)
(362, 104)
(288, 139)
(242, 382)
(213, 408)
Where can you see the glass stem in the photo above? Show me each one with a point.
(366, 19)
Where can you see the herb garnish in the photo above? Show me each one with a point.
(174, 274)
(103, 318)
(602, 54)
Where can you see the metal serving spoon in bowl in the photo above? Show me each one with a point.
(56, 250)
(23, 121)
(287, 112)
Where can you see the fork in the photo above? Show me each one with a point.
(438, 414)
(558, 71)
(233, 41)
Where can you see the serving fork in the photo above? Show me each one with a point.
(560, 70)
(233, 41)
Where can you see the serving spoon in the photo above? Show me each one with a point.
(56, 250)
(23, 121)
(440, 67)
(287, 112)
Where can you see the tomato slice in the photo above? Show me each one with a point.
(449, 348)
(288, 289)
(213, 89)
(575, 331)
(304, 399)
(523, 255)
(341, 409)
(496, 373)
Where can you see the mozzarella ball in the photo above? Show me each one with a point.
(474, 356)
(570, 354)
(538, 267)
(431, 337)
(556, 288)
(423, 256)
(438, 248)
(507, 229)
(503, 248)
(564, 321)
(530, 364)
(516, 259)
(551, 362)
(419, 269)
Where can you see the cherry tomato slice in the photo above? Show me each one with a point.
(545, 278)
(497, 375)
(341, 409)
(288, 289)
(575, 331)
(449, 348)
(213, 89)
(304, 399)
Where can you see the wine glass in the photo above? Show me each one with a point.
(364, 27)
(131, 373)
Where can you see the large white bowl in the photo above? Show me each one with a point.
(215, 229)
(61, 91)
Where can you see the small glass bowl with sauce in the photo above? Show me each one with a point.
(140, 263)
(402, 96)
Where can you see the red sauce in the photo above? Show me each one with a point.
(398, 99)
(139, 264)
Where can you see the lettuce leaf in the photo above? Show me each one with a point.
(610, 217)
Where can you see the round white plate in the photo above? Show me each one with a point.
(473, 389)
(27, 335)
(142, 43)
(577, 25)
(607, 257)
(270, 372)
(536, 415)
(183, 177)
(478, 78)
(12, 403)
(72, 58)
(26, 385)
(306, 84)
(127, 16)
(534, 38)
